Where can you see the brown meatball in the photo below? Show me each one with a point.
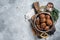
(47, 16)
(47, 28)
(43, 25)
(42, 15)
(49, 22)
(43, 20)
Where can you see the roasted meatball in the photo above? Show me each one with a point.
(43, 25)
(42, 15)
(48, 16)
(46, 28)
(43, 20)
(49, 22)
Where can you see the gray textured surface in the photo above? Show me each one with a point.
(12, 22)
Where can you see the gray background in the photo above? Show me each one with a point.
(12, 22)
